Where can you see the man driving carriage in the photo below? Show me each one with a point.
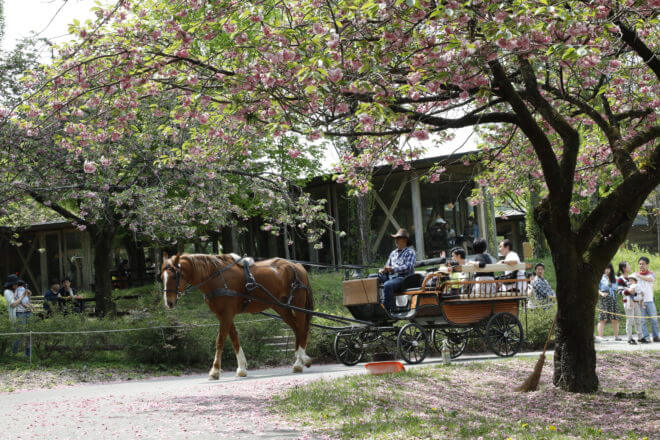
(399, 265)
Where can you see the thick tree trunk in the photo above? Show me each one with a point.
(575, 355)
(136, 257)
(102, 238)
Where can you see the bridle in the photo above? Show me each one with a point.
(177, 277)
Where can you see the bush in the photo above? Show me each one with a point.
(539, 322)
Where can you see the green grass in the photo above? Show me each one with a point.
(469, 401)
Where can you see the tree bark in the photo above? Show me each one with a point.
(102, 237)
(575, 355)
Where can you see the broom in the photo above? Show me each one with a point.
(532, 382)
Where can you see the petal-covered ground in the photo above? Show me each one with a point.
(185, 408)
(475, 400)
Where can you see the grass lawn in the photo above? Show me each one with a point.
(475, 401)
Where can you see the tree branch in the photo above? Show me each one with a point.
(630, 37)
(534, 133)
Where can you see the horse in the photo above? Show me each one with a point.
(227, 292)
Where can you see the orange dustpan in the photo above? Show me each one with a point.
(384, 367)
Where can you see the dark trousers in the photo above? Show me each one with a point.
(391, 286)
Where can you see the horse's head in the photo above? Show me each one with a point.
(170, 274)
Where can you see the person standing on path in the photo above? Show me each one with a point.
(626, 285)
(18, 304)
(645, 283)
(607, 290)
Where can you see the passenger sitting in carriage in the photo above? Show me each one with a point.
(400, 264)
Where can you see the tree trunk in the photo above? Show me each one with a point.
(577, 285)
(575, 355)
(534, 234)
(136, 257)
(102, 238)
(363, 228)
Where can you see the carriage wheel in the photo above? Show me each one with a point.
(457, 340)
(348, 348)
(413, 343)
(504, 334)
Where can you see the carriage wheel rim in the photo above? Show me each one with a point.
(504, 334)
(346, 345)
(456, 339)
(413, 343)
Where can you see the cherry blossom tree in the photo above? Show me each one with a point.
(564, 93)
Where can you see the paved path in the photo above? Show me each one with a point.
(189, 407)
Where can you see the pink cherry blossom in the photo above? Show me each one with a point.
(89, 167)
(335, 75)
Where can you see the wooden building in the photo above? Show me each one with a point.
(437, 215)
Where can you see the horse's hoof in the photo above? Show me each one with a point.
(214, 375)
(241, 373)
(308, 363)
(297, 369)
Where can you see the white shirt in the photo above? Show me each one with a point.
(9, 297)
(512, 256)
(645, 287)
(21, 307)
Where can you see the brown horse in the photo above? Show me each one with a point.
(286, 281)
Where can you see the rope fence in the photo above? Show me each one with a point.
(161, 327)
(626, 316)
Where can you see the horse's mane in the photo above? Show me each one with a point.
(206, 264)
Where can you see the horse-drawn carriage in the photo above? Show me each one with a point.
(437, 309)
(451, 309)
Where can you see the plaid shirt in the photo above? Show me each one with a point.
(402, 261)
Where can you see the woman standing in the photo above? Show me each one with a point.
(607, 290)
(631, 301)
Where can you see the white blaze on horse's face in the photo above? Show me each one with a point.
(170, 286)
(164, 277)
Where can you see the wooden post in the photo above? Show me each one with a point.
(43, 262)
(235, 247)
(331, 229)
(285, 236)
(87, 261)
(492, 222)
(335, 211)
(481, 219)
(417, 216)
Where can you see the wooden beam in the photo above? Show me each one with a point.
(388, 214)
(417, 217)
(335, 211)
(331, 229)
(487, 268)
(26, 265)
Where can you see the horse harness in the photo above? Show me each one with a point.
(251, 285)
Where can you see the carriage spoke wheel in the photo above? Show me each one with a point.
(504, 334)
(413, 343)
(456, 339)
(348, 348)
